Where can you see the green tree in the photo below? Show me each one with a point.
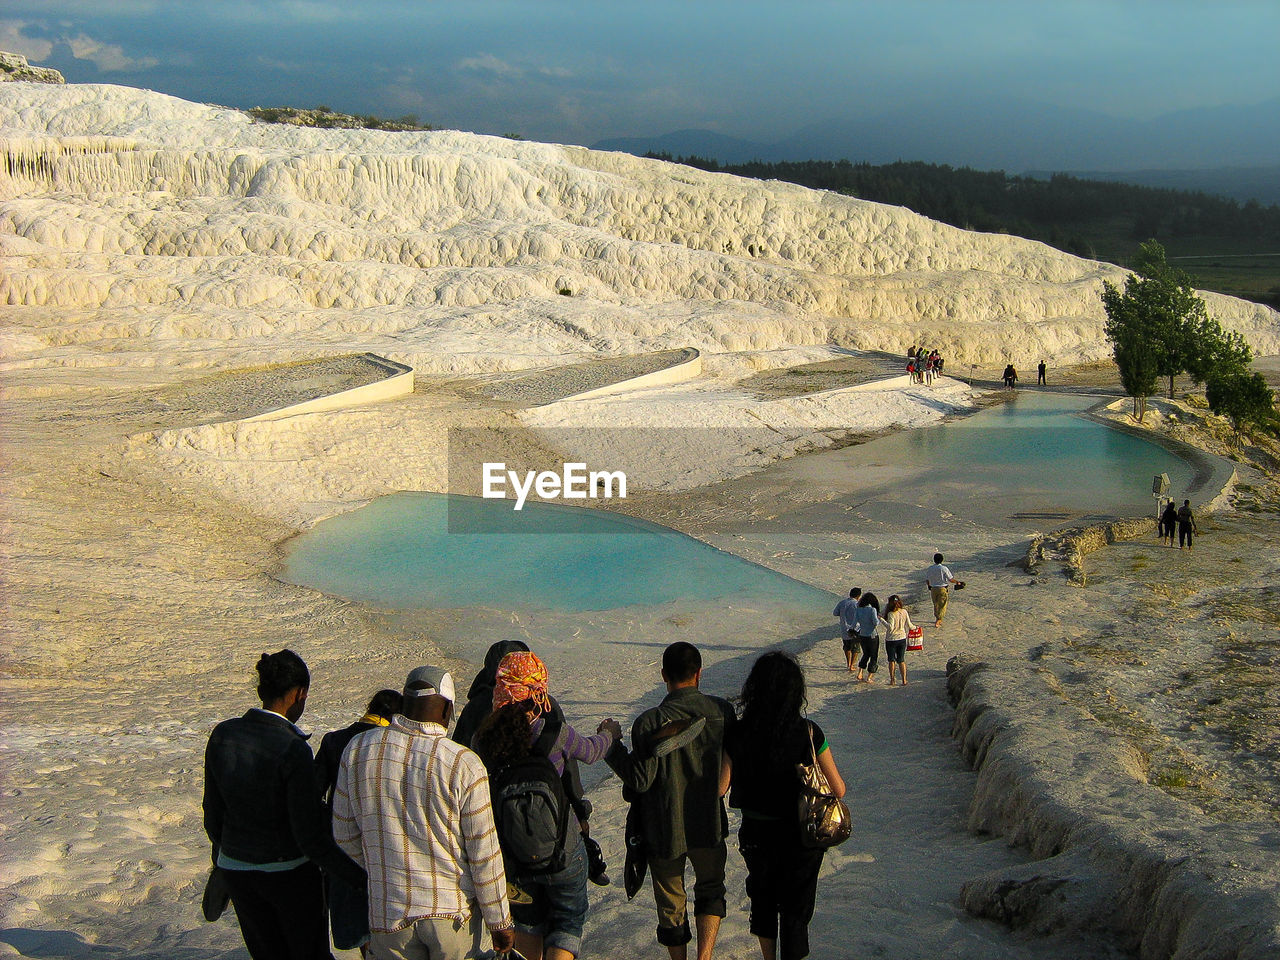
(1159, 308)
(1244, 398)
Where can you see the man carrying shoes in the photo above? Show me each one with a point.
(939, 580)
(413, 806)
(672, 777)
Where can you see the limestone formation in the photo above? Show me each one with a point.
(14, 66)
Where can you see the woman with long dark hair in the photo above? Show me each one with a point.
(866, 621)
(771, 737)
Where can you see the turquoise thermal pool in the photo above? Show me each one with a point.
(1025, 461)
(399, 551)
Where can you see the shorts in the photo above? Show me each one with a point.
(559, 906)
(669, 891)
(850, 641)
(895, 651)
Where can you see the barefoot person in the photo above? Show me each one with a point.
(762, 750)
(678, 791)
(866, 625)
(939, 580)
(897, 623)
(846, 609)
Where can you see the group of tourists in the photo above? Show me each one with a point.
(1180, 520)
(416, 843)
(923, 365)
(861, 619)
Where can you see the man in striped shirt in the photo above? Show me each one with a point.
(412, 807)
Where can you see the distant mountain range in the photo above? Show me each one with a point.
(1231, 150)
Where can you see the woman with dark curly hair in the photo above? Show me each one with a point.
(762, 750)
(550, 908)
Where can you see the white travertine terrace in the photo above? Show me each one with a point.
(131, 219)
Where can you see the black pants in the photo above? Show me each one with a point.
(282, 915)
(782, 882)
(870, 653)
(1184, 535)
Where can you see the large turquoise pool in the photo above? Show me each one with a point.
(1029, 462)
(404, 551)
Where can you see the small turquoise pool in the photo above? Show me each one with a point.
(405, 551)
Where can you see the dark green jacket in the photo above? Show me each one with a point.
(679, 794)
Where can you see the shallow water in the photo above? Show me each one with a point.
(1031, 461)
(419, 550)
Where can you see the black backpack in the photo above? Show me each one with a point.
(531, 809)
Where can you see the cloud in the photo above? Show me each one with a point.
(14, 39)
(107, 57)
(488, 63)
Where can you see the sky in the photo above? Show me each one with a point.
(577, 71)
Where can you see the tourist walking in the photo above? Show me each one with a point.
(866, 623)
(676, 793)
(939, 580)
(1186, 526)
(349, 907)
(268, 827)
(413, 807)
(1168, 523)
(846, 609)
(1040, 374)
(480, 705)
(523, 742)
(762, 750)
(897, 622)
(1010, 376)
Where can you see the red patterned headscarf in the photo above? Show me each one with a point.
(521, 676)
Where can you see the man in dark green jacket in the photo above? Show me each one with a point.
(672, 774)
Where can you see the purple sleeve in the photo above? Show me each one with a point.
(586, 749)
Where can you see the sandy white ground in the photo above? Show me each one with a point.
(146, 243)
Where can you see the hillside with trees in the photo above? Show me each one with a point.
(1232, 247)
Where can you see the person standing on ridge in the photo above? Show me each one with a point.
(1040, 374)
(1186, 526)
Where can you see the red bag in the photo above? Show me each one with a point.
(915, 638)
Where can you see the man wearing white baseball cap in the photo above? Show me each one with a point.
(414, 806)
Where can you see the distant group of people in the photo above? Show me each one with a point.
(923, 365)
(861, 618)
(1180, 520)
(1010, 375)
(425, 841)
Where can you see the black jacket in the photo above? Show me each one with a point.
(261, 804)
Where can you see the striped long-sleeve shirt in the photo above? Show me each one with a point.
(413, 808)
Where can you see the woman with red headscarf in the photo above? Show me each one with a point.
(548, 908)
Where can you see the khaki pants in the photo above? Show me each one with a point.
(939, 601)
(429, 939)
(669, 892)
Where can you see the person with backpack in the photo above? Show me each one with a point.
(525, 745)
(480, 705)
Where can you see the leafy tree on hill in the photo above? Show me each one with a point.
(1158, 327)
(1244, 398)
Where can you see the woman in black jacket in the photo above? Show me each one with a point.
(760, 757)
(266, 821)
